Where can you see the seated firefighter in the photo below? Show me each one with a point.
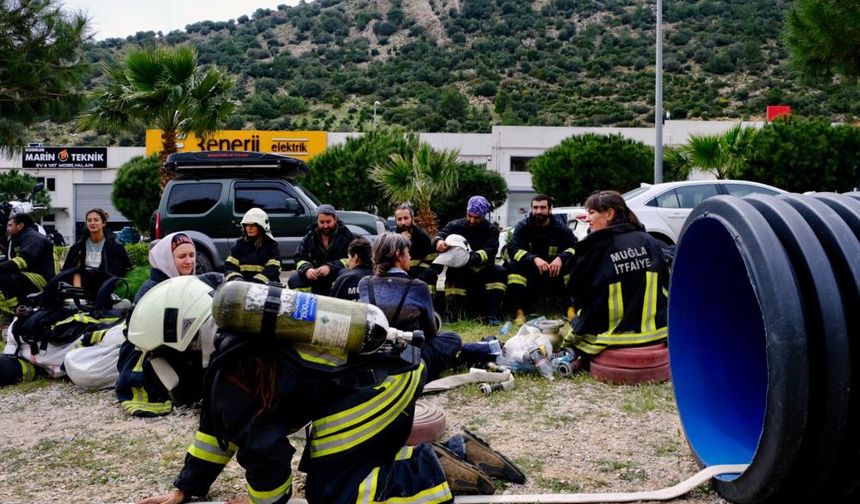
(360, 265)
(421, 249)
(29, 263)
(322, 253)
(619, 281)
(260, 387)
(255, 256)
(540, 255)
(479, 285)
(406, 302)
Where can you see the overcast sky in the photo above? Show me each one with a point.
(120, 18)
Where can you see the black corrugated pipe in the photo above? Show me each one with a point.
(764, 321)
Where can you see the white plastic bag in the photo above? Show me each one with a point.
(519, 352)
(50, 359)
(94, 367)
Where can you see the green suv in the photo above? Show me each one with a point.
(212, 190)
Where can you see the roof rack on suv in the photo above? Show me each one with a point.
(220, 163)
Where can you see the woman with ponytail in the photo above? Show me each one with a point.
(407, 302)
(618, 282)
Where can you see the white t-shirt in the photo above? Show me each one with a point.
(94, 253)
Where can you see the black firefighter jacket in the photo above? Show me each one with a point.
(312, 254)
(619, 285)
(254, 264)
(483, 238)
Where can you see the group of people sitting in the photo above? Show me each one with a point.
(612, 286)
(255, 391)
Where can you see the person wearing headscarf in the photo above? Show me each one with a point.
(138, 388)
(322, 254)
(479, 286)
(255, 256)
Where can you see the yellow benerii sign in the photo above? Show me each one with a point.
(299, 144)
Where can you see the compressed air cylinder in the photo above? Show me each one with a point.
(299, 317)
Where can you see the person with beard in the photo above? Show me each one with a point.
(421, 251)
(480, 280)
(540, 252)
(619, 281)
(322, 254)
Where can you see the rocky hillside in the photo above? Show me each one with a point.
(464, 65)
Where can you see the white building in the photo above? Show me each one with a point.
(506, 150)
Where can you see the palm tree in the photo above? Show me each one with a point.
(164, 88)
(419, 177)
(722, 155)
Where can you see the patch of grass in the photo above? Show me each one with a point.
(627, 471)
(612, 465)
(529, 465)
(558, 485)
(641, 399)
(26, 387)
(135, 279)
(667, 447)
(471, 330)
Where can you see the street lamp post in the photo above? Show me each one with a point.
(375, 104)
(658, 99)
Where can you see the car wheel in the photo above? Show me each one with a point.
(204, 262)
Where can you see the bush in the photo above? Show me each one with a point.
(137, 190)
(339, 175)
(473, 179)
(800, 155)
(581, 164)
(135, 279)
(138, 253)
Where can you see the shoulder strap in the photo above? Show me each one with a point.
(396, 317)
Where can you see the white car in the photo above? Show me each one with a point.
(663, 208)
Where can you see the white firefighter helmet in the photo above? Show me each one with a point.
(457, 254)
(259, 217)
(170, 314)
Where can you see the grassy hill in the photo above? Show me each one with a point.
(464, 65)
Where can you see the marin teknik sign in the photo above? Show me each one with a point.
(65, 157)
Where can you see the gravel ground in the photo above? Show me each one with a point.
(62, 444)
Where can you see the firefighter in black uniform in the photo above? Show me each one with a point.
(481, 281)
(255, 256)
(619, 282)
(361, 407)
(360, 265)
(29, 264)
(421, 251)
(540, 257)
(322, 253)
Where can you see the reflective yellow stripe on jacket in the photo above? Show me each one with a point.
(347, 429)
(205, 447)
(270, 496)
(367, 488)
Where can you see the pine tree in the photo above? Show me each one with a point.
(824, 39)
(40, 66)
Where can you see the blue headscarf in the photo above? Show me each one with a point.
(478, 205)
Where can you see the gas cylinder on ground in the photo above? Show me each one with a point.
(301, 317)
